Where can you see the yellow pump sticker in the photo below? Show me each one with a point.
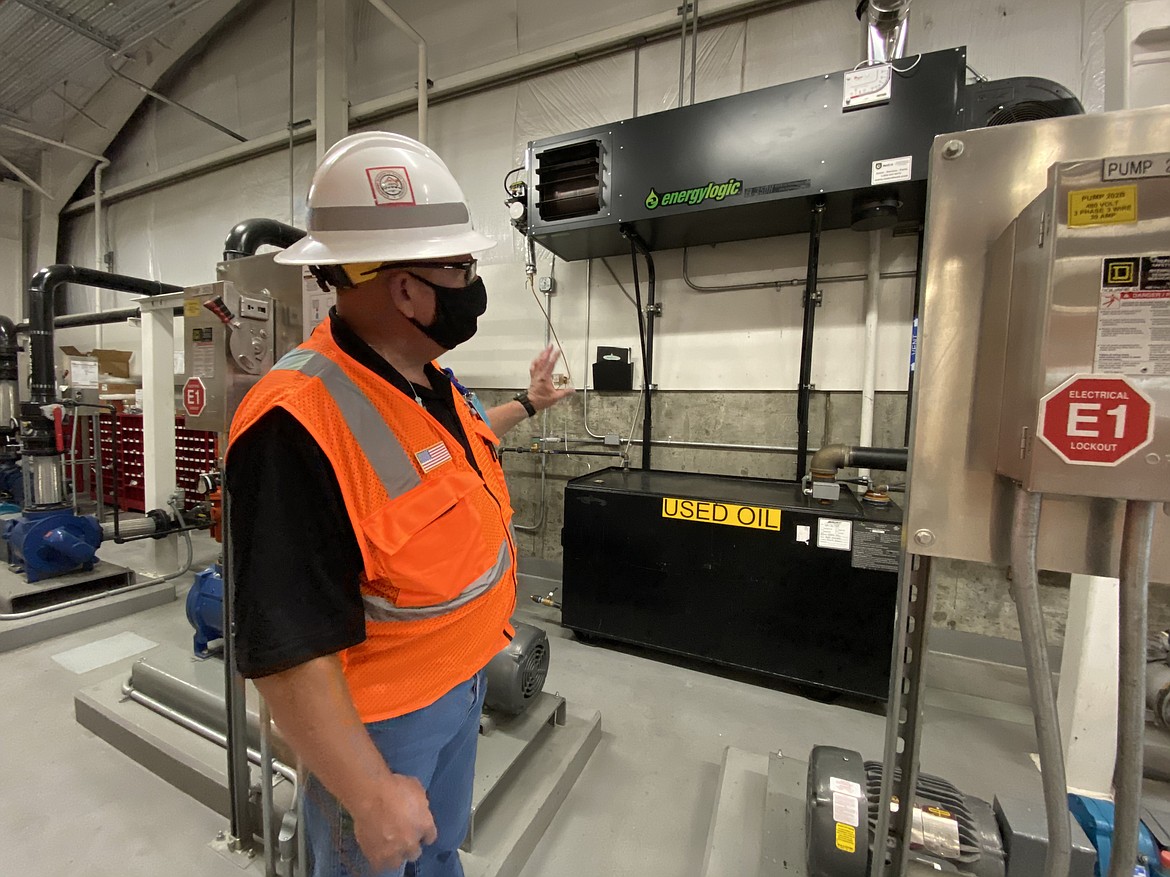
(710, 512)
(192, 307)
(1112, 206)
(846, 838)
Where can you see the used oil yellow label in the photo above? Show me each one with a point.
(846, 838)
(709, 512)
(192, 307)
(1112, 206)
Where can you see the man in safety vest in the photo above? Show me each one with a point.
(373, 553)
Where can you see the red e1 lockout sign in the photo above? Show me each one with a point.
(1096, 420)
(194, 397)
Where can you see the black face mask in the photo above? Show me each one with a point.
(457, 310)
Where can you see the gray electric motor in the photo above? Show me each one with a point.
(516, 674)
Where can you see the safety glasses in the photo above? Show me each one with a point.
(468, 270)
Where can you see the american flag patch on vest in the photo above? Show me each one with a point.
(436, 455)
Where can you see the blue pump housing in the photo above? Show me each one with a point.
(1096, 818)
(52, 543)
(205, 608)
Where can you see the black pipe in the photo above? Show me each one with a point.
(251, 234)
(42, 311)
(826, 461)
(8, 350)
(916, 333)
(646, 336)
(95, 318)
(804, 388)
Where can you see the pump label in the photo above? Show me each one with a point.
(846, 837)
(710, 512)
(1113, 206)
(1133, 319)
(1135, 167)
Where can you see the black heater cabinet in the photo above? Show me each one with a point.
(744, 573)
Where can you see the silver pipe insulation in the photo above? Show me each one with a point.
(1026, 591)
(197, 727)
(1136, 542)
(267, 805)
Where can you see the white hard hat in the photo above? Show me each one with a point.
(381, 197)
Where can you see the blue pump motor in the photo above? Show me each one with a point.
(52, 543)
(205, 608)
(1096, 818)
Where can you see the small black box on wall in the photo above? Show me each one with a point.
(613, 371)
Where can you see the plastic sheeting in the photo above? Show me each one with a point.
(731, 340)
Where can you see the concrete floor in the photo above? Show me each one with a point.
(73, 805)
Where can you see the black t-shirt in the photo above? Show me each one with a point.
(296, 560)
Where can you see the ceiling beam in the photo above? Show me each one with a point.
(72, 22)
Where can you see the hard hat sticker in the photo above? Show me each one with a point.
(390, 186)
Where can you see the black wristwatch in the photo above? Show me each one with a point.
(522, 398)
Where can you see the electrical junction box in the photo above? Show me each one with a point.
(744, 573)
(234, 330)
(1083, 280)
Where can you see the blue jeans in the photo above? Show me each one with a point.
(437, 746)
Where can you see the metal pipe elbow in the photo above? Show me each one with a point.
(250, 235)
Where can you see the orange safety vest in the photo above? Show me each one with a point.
(439, 583)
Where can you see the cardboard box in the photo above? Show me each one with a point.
(97, 367)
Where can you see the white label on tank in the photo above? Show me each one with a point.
(845, 787)
(834, 534)
(1133, 318)
(845, 809)
(891, 170)
(803, 533)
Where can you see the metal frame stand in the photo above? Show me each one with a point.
(904, 714)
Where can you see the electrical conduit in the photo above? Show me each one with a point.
(1026, 591)
(869, 357)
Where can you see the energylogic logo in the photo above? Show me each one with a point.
(693, 197)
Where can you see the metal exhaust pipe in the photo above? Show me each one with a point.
(885, 29)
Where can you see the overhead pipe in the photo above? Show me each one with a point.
(785, 282)
(886, 28)
(99, 240)
(423, 83)
(42, 312)
(804, 386)
(250, 235)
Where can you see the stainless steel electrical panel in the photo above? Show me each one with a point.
(234, 331)
(1086, 296)
(958, 503)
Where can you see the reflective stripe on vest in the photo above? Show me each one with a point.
(381, 447)
(391, 464)
(381, 609)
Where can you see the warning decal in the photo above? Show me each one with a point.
(1133, 319)
(1112, 206)
(846, 838)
